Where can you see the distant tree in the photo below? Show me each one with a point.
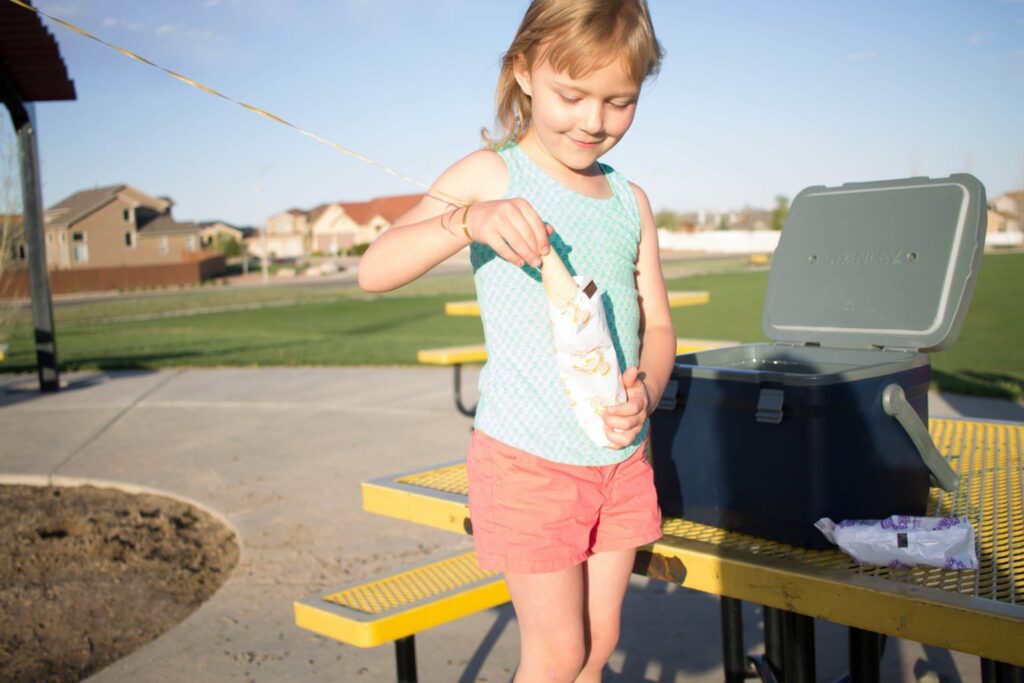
(723, 223)
(780, 211)
(227, 245)
(667, 219)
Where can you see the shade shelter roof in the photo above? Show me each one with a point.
(29, 57)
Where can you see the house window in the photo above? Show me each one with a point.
(190, 243)
(80, 252)
(78, 237)
(63, 238)
(164, 246)
(22, 252)
(129, 239)
(127, 213)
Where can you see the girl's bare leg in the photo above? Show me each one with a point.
(549, 608)
(606, 579)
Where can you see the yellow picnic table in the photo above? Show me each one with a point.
(978, 612)
(675, 300)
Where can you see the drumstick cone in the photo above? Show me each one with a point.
(558, 283)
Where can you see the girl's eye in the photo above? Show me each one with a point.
(569, 99)
(621, 105)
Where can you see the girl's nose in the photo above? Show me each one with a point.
(593, 119)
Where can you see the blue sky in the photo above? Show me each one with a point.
(755, 99)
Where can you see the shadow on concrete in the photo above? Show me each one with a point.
(16, 389)
(670, 633)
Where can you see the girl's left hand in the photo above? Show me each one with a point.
(623, 422)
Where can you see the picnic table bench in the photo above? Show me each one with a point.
(395, 608)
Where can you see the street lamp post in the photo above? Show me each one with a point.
(263, 225)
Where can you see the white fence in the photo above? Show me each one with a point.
(721, 241)
(765, 241)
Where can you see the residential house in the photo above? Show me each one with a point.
(212, 231)
(1009, 213)
(117, 226)
(287, 236)
(13, 249)
(338, 226)
(751, 219)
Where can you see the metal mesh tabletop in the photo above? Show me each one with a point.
(974, 611)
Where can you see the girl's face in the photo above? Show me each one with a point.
(576, 121)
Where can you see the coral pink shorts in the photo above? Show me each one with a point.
(532, 515)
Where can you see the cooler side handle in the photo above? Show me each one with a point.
(894, 402)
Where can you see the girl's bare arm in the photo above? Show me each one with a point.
(657, 333)
(432, 230)
(645, 383)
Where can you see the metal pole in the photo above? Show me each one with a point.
(39, 279)
(263, 225)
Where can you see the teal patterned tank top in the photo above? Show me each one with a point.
(522, 400)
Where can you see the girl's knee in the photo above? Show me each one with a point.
(552, 661)
(603, 641)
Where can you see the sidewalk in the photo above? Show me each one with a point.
(279, 454)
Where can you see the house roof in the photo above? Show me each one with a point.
(30, 58)
(79, 205)
(72, 209)
(388, 208)
(165, 225)
(317, 211)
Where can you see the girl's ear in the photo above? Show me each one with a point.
(522, 74)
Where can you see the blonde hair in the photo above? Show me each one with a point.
(576, 37)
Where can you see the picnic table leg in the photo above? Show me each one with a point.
(769, 667)
(798, 640)
(468, 412)
(774, 653)
(732, 640)
(405, 658)
(999, 672)
(865, 655)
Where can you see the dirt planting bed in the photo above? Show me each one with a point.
(87, 575)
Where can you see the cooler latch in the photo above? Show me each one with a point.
(769, 405)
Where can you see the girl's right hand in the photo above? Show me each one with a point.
(512, 228)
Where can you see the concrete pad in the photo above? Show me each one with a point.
(42, 431)
(975, 407)
(280, 453)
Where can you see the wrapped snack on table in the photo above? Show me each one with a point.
(583, 346)
(902, 541)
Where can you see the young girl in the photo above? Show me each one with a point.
(559, 515)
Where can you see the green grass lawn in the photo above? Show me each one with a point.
(344, 326)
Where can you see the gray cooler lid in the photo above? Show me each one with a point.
(881, 264)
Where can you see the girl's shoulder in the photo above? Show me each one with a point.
(477, 177)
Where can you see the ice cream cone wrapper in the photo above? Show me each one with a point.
(586, 357)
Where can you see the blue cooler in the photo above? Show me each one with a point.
(831, 419)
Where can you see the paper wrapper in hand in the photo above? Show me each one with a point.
(583, 347)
